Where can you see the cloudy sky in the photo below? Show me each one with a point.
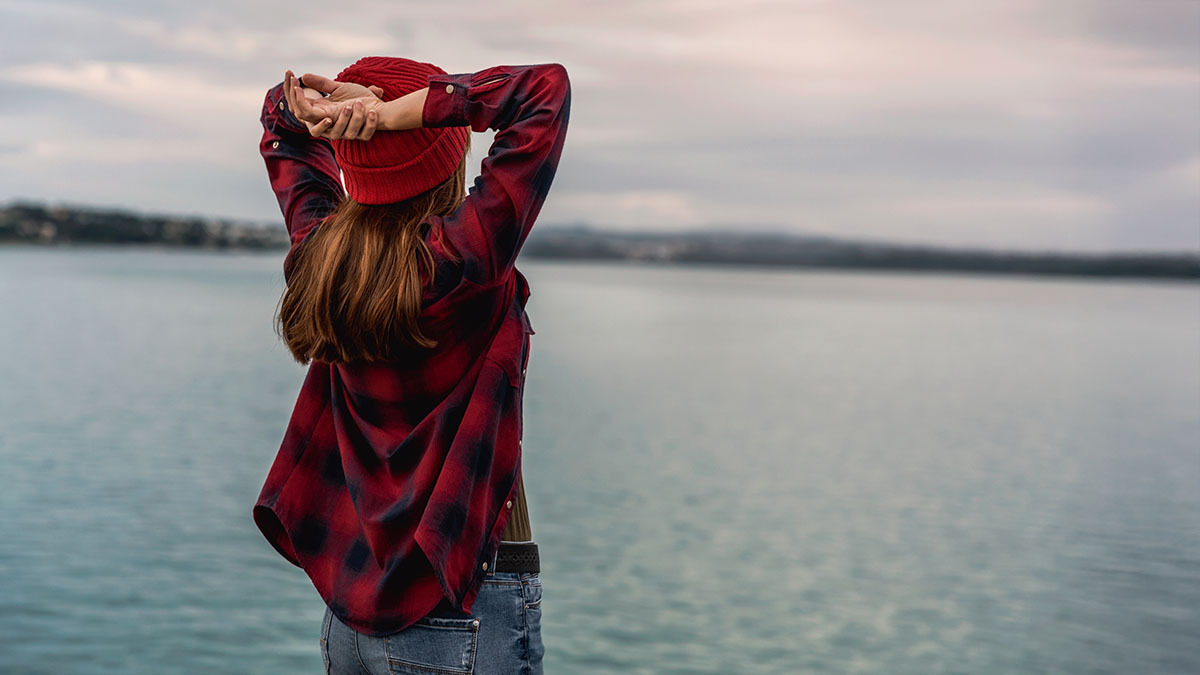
(1059, 124)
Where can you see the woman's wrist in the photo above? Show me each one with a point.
(403, 113)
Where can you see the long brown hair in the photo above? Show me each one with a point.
(355, 289)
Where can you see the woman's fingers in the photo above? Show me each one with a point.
(351, 121)
(351, 124)
(369, 128)
(296, 100)
(357, 116)
(318, 82)
(307, 108)
(303, 107)
(321, 128)
(288, 83)
(338, 130)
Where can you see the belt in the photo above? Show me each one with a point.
(517, 557)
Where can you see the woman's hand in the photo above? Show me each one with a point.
(351, 111)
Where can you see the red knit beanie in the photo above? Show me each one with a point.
(396, 165)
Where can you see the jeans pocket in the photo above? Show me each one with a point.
(434, 644)
(325, 624)
(531, 585)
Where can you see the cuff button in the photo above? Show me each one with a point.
(449, 89)
(274, 144)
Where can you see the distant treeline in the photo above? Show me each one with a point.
(808, 251)
(38, 223)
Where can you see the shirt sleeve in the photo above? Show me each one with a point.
(301, 168)
(529, 107)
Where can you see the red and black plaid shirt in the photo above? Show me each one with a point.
(394, 481)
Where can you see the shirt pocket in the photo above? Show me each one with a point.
(440, 645)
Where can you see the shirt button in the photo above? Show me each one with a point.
(281, 103)
(485, 566)
(508, 504)
(449, 89)
(274, 144)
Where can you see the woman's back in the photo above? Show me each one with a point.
(395, 481)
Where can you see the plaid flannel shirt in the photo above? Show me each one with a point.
(394, 481)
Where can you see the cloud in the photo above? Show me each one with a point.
(1182, 177)
(168, 91)
(1019, 123)
(626, 209)
(995, 202)
(232, 44)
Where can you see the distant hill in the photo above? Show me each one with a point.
(30, 222)
(732, 247)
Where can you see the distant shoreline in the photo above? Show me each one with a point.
(34, 224)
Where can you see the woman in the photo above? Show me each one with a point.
(397, 487)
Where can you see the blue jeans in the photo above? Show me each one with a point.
(507, 640)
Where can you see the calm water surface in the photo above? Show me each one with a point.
(729, 471)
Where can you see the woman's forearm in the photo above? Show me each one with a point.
(404, 112)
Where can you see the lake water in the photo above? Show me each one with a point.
(729, 470)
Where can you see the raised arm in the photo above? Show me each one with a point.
(529, 107)
(301, 168)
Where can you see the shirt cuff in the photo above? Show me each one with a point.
(446, 102)
(280, 111)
